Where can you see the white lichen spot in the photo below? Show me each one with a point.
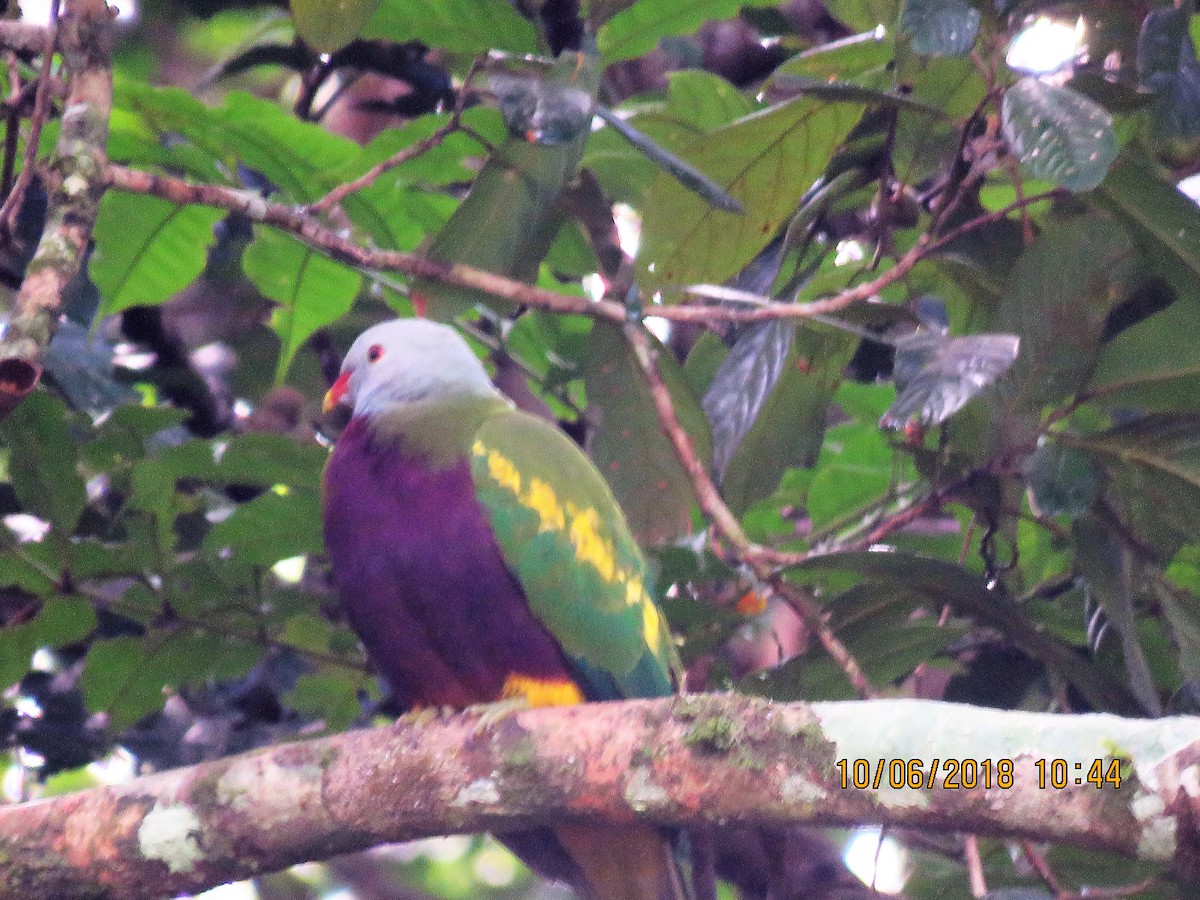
(74, 185)
(168, 833)
(256, 206)
(74, 111)
(1158, 837)
(481, 790)
(798, 789)
(641, 793)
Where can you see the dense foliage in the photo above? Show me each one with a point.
(1010, 404)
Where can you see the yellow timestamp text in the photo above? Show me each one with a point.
(968, 774)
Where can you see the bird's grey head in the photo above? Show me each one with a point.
(407, 361)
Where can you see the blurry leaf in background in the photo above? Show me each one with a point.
(328, 25)
(312, 289)
(1058, 134)
(768, 161)
(940, 27)
(148, 249)
(629, 447)
(936, 376)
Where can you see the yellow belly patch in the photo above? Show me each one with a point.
(541, 691)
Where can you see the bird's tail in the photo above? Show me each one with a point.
(624, 862)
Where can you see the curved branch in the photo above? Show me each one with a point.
(718, 759)
(76, 184)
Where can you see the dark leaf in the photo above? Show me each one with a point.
(42, 461)
(628, 445)
(940, 27)
(937, 375)
(1062, 480)
(1107, 565)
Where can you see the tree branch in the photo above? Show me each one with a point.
(76, 185)
(719, 759)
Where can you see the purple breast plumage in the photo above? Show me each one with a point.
(422, 579)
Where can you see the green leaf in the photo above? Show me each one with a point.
(42, 461)
(147, 249)
(269, 528)
(685, 240)
(253, 459)
(1063, 481)
(331, 698)
(629, 447)
(60, 621)
(328, 25)
(1163, 220)
(940, 27)
(125, 677)
(848, 59)
(312, 289)
(1057, 301)
(1154, 366)
(469, 27)
(708, 100)
(1162, 454)
(637, 30)
(1058, 134)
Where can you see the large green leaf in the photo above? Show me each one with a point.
(940, 27)
(639, 28)
(328, 25)
(271, 527)
(125, 676)
(1058, 133)
(312, 289)
(147, 249)
(628, 445)
(251, 459)
(768, 161)
(508, 221)
(1162, 219)
(1156, 364)
(42, 461)
(470, 27)
(59, 622)
(1057, 300)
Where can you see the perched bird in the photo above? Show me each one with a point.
(481, 557)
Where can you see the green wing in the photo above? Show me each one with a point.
(565, 538)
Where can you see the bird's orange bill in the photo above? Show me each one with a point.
(336, 393)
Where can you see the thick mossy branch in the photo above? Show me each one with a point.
(76, 183)
(718, 759)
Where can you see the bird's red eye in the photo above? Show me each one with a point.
(374, 352)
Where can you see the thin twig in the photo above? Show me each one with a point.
(305, 227)
(1038, 863)
(975, 866)
(412, 151)
(726, 523)
(16, 197)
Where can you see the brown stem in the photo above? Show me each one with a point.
(725, 522)
(41, 112)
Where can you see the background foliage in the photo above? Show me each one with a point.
(162, 586)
